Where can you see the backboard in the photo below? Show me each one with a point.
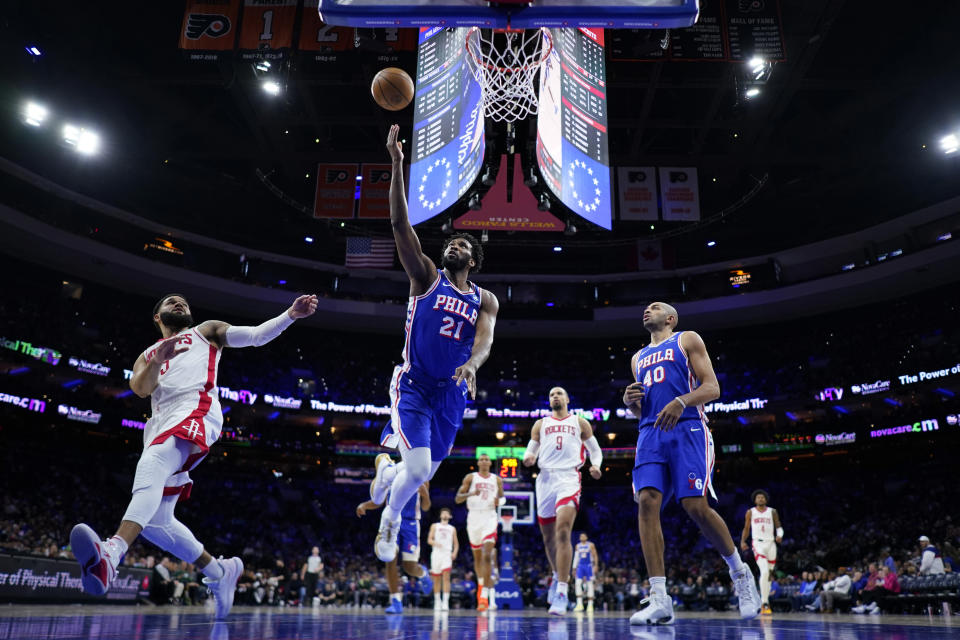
(621, 14)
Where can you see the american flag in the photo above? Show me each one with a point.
(370, 253)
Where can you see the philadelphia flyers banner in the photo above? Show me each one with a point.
(337, 190)
(374, 191)
(210, 27)
(322, 38)
(267, 29)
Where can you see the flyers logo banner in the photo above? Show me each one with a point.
(337, 190)
(204, 24)
(374, 191)
(210, 26)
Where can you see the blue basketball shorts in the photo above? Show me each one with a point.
(424, 412)
(677, 463)
(408, 539)
(584, 571)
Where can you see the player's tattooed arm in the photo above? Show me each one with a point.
(482, 343)
(420, 268)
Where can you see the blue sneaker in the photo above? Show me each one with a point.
(426, 582)
(396, 606)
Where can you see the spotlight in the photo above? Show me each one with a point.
(531, 180)
(474, 202)
(85, 142)
(485, 237)
(34, 51)
(711, 243)
(487, 178)
(34, 114)
(499, 435)
(752, 92)
(543, 203)
(447, 226)
(272, 87)
(950, 143)
(557, 249)
(570, 230)
(759, 68)
(308, 239)
(262, 66)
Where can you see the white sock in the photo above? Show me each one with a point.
(396, 596)
(579, 601)
(563, 587)
(734, 562)
(213, 570)
(116, 547)
(437, 598)
(658, 585)
(555, 576)
(492, 597)
(446, 598)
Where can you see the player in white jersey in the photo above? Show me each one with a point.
(559, 444)
(446, 546)
(482, 491)
(763, 525)
(179, 372)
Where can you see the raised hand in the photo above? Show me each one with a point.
(166, 350)
(302, 307)
(394, 146)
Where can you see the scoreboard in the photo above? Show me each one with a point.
(508, 469)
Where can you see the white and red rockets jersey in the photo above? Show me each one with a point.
(443, 537)
(188, 382)
(560, 443)
(487, 500)
(761, 524)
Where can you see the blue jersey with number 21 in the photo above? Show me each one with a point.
(441, 325)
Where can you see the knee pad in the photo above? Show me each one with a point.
(171, 535)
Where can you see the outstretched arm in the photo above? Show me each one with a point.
(421, 269)
(482, 343)
(225, 335)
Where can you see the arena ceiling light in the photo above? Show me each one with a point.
(752, 92)
(760, 68)
(271, 87)
(950, 143)
(34, 114)
(34, 51)
(82, 140)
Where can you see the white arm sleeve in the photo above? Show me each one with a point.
(779, 532)
(593, 448)
(533, 448)
(259, 335)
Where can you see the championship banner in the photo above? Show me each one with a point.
(316, 35)
(209, 26)
(680, 194)
(374, 191)
(267, 28)
(638, 193)
(336, 192)
(25, 578)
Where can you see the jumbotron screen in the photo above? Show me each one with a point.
(572, 124)
(448, 140)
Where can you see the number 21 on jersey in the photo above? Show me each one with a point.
(447, 329)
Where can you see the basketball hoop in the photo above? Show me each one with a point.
(505, 63)
(507, 521)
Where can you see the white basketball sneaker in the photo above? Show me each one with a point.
(224, 588)
(385, 545)
(551, 592)
(658, 610)
(98, 559)
(747, 593)
(383, 478)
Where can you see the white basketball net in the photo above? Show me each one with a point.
(505, 63)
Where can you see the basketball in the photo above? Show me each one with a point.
(392, 88)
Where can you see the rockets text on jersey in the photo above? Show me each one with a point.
(487, 486)
(443, 537)
(665, 373)
(560, 443)
(440, 328)
(761, 524)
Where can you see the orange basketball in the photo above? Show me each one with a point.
(392, 88)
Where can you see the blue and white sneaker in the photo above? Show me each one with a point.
(551, 592)
(396, 606)
(560, 604)
(426, 582)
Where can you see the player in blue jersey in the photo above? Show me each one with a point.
(408, 539)
(449, 332)
(674, 458)
(586, 560)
